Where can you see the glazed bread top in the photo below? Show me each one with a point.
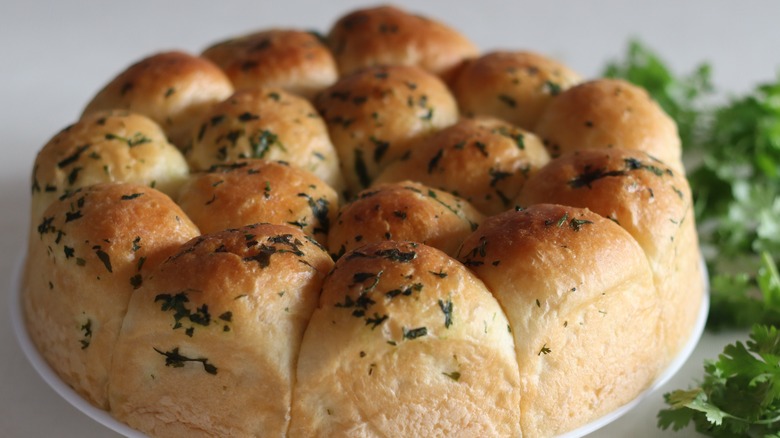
(105, 147)
(484, 160)
(405, 342)
(513, 85)
(171, 88)
(387, 35)
(609, 114)
(378, 114)
(251, 191)
(294, 60)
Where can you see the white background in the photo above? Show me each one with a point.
(54, 55)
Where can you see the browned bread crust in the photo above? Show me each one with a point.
(294, 60)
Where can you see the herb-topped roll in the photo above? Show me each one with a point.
(514, 86)
(89, 252)
(405, 342)
(609, 114)
(171, 88)
(250, 191)
(105, 147)
(483, 160)
(294, 60)
(653, 202)
(579, 296)
(266, 123)
(210, 341)
(386, 35)
(404, 210)
(377, 115)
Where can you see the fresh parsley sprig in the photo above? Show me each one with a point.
(740, 394)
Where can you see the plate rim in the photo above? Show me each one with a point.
(45, 372)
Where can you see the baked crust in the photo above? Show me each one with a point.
(89, 253)
(210, 342)
(246, 192)
(650, 200)
(105, 147)
(484, 160)
(266, 123)
(515, 86)
(579, 296)
(387, 35)
(294, 60)
(404, 211)
(405, 342)
(609, 114)
(172, 88)
(378, 114)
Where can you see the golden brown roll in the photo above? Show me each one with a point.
(514, 86)
(483, 160)
(653, 203)
(404, 210)
(210, 342)
(294, 60)
(376, 115)
(405, 342)
(171, 88)
(91, 250)
(609, 114)
(579, 296)
(105, 147)
(251, 191)
(386, 35)
(266, 123)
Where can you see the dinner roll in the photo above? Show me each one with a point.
(91, 250)
(579, 296)
(609, 114)
(251, 191)
(483, 160)
(387, 35)
(653, 203)
(105, 147)
(209, 344)
(294, 60)
(512, 85)
(404, 210)
(376, 115)
(405, 342)
(265, 123)
(171, 88)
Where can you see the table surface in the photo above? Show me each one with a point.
(55, 55)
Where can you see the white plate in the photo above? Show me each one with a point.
(104, 418)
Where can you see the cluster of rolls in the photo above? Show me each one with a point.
(377, 232)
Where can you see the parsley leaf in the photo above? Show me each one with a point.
(740, 393)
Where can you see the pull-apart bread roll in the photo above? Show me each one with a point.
(609, 114)
(653, 203)
(265, 123)
(387, 35)
(579, 296)
(405, 342)
(171, 88)
(294, 60)
(403, 211)
(91, 250)
(483, 160)
(210, 342)
(376, 115)
(105, 147)
(252, 191)
(514, 86)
